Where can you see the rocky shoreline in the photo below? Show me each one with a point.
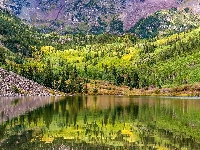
(12, 85)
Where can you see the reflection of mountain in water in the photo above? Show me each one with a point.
(106, 122)
(11, 107)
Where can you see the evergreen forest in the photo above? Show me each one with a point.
(72, 61)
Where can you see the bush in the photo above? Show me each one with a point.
(16, 89)
(95, 90)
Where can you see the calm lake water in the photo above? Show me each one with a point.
(100, 122)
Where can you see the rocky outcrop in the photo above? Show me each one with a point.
(144, 9)
(89, 14)
(12, 84)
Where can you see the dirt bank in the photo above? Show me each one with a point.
(107, 88)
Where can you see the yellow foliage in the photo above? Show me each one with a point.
(48, 49)
(47, 139)
(134, 53)
(127, 132)
(127, 57)
(162, 148)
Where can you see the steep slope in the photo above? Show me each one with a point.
(160, 62)
(18, 41)
(93, 16)
(17, 35)
(193, 4)
(136, 10)
(12, 84)
(166, 22)
(73, 63)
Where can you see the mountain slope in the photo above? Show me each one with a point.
(88, 15)
(166, 22)
(17, 35)
(74, 63)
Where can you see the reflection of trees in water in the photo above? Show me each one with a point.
(2, 130)
(75, 113)
(113, 117)
(67, 117)
(132, 110)
(11, 107)
(68, 108)
(22, 141)
(72, 107)
(48, 113)
(106, 117)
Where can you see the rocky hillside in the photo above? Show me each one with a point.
(12, 84)
(166, 22)
(92, 16)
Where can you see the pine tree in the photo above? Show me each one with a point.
(48, 74)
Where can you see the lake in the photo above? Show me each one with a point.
(100, 122)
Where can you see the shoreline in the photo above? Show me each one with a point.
(106, 88)
(181, 91)
(14, 85)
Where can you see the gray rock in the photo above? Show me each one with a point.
(12, 84)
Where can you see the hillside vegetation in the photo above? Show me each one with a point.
(166, 22)
(71, 63)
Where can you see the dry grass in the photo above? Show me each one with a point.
(108, 88)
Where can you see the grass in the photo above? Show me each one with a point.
(108, 88)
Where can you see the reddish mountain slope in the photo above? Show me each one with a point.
(89, 14)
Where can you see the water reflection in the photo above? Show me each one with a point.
(101, 122)
(11, 107)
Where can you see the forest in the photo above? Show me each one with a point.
(70, 62)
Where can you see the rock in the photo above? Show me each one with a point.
(12, 84)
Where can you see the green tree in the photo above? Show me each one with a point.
(48, 75)
(116, 26)
(2, 56)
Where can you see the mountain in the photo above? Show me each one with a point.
(94, 16)
(73, 63)
(166, 22)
